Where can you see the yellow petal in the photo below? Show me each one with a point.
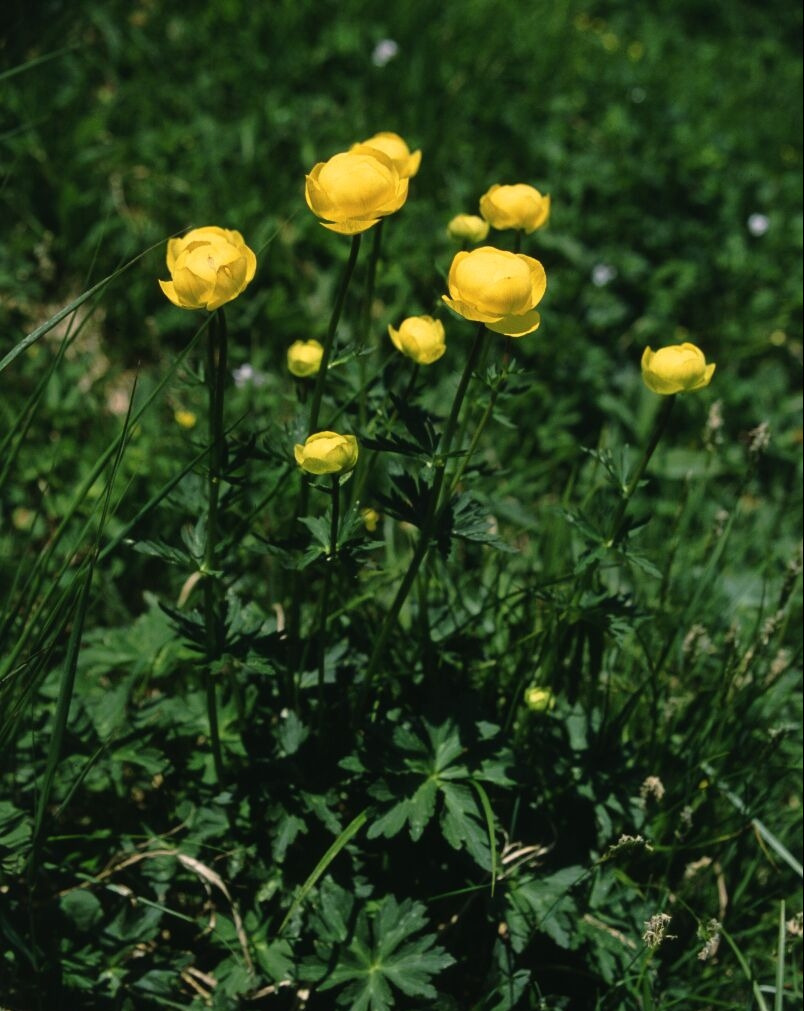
(349, 227)
(516, 326)
(170, 291)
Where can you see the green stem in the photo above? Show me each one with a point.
(330, 562)
(294, 617)
(366, 460)
(480, 426)
(659, 425)
(429, 522)
(365, 321)
(215, 377)
(320, 379)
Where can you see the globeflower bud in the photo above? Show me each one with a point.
(391, 144)
(208, 267)
(420, 338)
(518, 206)
(679, 368)
(538, 699)
(498, 288)
(304, 358)
(468, 228)
(371, 518)
(354, 189)
(327, 453)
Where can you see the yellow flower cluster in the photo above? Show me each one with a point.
(350, 193)
(355, 189)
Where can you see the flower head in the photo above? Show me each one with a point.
(405, 161)
(497, 288)
(539, 699)
(327, 453)
(371, 518)
(354, 189)
(304, 358)
(468, 228)
(185, 419)
(420, 338)
(679, 368)
(518, 206)
(208, 267)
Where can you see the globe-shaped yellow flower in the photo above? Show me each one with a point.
(355, 189)
(539, 699)
(391, 144)
(468, 228)
(420, 338)
(498, 288)
(518, 206)
(679, 368)
(327, 453)
(208, 267)
(304, 358)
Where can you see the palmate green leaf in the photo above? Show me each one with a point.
(431, 765)
(382, 950)
(544, 905)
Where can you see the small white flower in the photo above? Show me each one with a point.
(384, 52)
(245, 375)
(758, 224)
(603, 274)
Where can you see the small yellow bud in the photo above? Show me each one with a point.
(371, 519)
(679, 368)
(185, 419)
(420, 338)
(304, 358)
(394, 147)
(539, 699)
(327, 453)
(518, 206)
(468, 228)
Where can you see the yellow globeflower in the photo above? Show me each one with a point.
(304, 358)
(497, 288)
(208, 267)
(538, 699)
(679, 368)
(354, 189)
(405, 161)
(327, 453)
(371, 518)
(420, 338)
(468, 228)
(185, 419)
(518, 206)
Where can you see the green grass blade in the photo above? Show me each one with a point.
(62, 708)
(778, 999)
(487, 811)
(348, 833)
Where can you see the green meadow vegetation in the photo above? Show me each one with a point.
(488, 696)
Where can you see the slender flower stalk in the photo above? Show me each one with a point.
(320, 379)
(429, 522)
(365, 316)
(330, 563)
(215, 378)
(659, 425)
(312, 426)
